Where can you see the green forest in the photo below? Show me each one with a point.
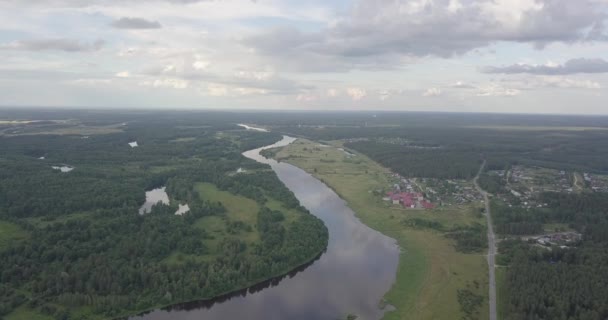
(78, 249)
(560, 283)
(555, 282)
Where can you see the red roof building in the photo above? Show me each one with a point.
(427, 205)
(408, 199)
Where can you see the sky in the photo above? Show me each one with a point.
(513, 56)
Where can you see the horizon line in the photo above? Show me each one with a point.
(231, 109)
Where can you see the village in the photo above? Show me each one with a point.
(563, 240)
(597, 183)
(427, 193)
(524, 184)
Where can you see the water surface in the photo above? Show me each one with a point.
(183, 208)
(351, 277)
(64, 169)
(252, 128)
(153, 197)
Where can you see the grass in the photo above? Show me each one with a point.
(501, 293)
(187, 139)
(430, 270)
(10, 232)
(24, 313)
(238, 207)
(557, 227)
(290, 214)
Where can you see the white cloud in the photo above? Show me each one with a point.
(573, 66)
(217, 90)
(432, 92)
(167, 83)
(495, 90)
(251, 91)
(384, 95)
(123, 74)
(561, 82)
(356, 93)
(200, 65)
(255, 75)
(128, 52)
(461, 85)
(169, 68)
(333, 92)
(306, 97)
(91, 82)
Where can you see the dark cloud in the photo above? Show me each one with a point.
(381, 32)
(135, 23)
(573, 66)
(67, 45)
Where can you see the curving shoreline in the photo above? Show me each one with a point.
(350, 277)
(206, 303)
(255, 286)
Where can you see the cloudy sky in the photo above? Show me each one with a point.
(540, 56)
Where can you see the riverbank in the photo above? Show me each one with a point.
(431, 272)
(202, 302)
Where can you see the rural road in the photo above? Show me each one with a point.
(491, 247)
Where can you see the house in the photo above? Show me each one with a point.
(427, 205)
(409, 199)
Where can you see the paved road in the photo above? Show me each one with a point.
(491, 247)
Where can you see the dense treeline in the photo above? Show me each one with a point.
(502, 140)
(567, 283)
(412, 162)
(518, 220)
(492, 183)
(90, 252)
(586, 212)
(556, 284)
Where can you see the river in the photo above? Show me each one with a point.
(350, 277)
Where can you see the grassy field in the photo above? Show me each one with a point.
(430, 270)
(238, 208)
(557, 227)
(10, 232)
